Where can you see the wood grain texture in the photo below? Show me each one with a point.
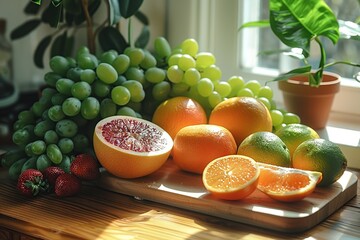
(98, 213)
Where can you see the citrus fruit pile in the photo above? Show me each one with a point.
(105, 104)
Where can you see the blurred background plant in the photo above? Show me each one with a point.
(66, 17)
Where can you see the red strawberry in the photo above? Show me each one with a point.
(31, 182)
(85, 167)
(51, 173)
(67, 185)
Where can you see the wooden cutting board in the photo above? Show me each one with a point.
(171, 186)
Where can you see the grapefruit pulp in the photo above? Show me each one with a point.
(130, 147)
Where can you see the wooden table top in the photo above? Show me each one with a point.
(97, 213)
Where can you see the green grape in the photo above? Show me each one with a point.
(136, 55)
(38, 108)
(236, 83)
(108, 56)
(29, 164)
(253, 85)
(79, 120)
(26, 116)
(175, 74)
(136, 106)
(273, 104)
(107, 108)
(191, 76)
(121, 79)
(186, 61)
(63, 86)
(126, 111)
(245, 92)
(66, 145)
(51, 136)
(59, 65)
(106, 73)
(88, 75)
(162, 47)
(190, 46)
(277, 117)
(21, 137)
(205, 87)
(54, 154)
(223, 88)
(65, 163)
(121, 63)
(72, 62)
(137, 93)
(82, 50)
(290, 118)
(74, 74)
(155, 75)
(38, 147)
(265, 91)
(18, 124)
(45, 115)
(87, 61)
(161, 91)
(55, 113)
(90, 108)
(174, 59)
(204, 60)
(137, 74)
(81, 142)
(214, 99)
(43, 162)
(71, 106)
(100, 89)
(265, 101)
(42, 127)
(120, 95)
(179, 89)
(51, 78)
(58, 99)
(212, 72)
(48, 92)
(66, 128)
(81, 90)
(149, 60)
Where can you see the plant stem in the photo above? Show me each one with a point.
(89, 27)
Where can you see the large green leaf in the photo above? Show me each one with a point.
(142, 18)
(31, 8)
(129, 7)
(296, 22)
(111, 38)
(24, 29)
(40, 51)
(58, 46)
(114, 12)
(51, 15)
(143, 38)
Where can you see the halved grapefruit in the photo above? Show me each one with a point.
(130, 147)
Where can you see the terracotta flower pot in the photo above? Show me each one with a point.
(312, 104)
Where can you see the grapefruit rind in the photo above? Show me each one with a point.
(239, 191)
(282, 193)
(125, 163)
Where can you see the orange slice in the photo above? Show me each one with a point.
(287, 184)
(231, 177)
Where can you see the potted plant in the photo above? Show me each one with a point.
(297, 24)
(66, 17)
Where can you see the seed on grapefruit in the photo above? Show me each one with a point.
(242, 116)
(178, 112)
(287, 184)
(231, 177)
(130, 147)
(197, 145)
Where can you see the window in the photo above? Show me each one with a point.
(215, 25)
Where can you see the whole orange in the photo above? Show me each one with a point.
(197, 145)
(242, 116)
(178, 112)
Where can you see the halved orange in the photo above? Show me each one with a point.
(287, 184)
(231, 177)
